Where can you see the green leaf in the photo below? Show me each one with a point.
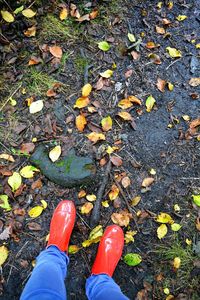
(132, 259)
(150, 103)
(18, 9)
(104, 46)
(173, 52)
(131, 37)
(4, 202)
(176, 227)
(7, 16)
(28, 171)
(196, 199)
(15, 181)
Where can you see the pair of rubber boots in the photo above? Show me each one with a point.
(111, 243)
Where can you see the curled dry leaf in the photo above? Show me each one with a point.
(122, 218)
(94, 14)
(55, 153)
(56, 51)
(36, 184)
(147, 181)
(6, 233)
(161, 83)
(7, 157)
(117, 161)
(95, 137)
(34, 226)
(86, 208)
(125, 115)
(151, 45)
(82, 102)
(113, 194)
(126, 181)
(160, 30)
(155, 58)
(135, 55)
(80, 122)
(34, 61)
(74, 12)
(30, 32)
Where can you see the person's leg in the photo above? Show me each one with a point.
(103, 287)
(47, 279)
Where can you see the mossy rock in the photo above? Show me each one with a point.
(69, 172)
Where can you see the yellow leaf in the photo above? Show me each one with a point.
(152, 171)
(166, 291)
(129, 236)
(4, 202)
(36, 106)
(86, 90)
(113, 194)
(175, 227)
(80, 122)
(135, 200)
(105, 203)
(161, 231)
(55, 153)
(7, 157)
(28, 13)
(44, 204)
(159, 5)
(63, 14)
(15, 181)
(82, 102)
(170, 86)
(188, 242)
(125, 103)
(125, 115)
(126, 181)
(95, 137)
(181, 18)
(186, 117)
(147, 181)
(3, 254)
(7, 16)
(170, 297)
(81, 194)
(96, 232)
(86, 208)
(173, 52)
(73, 249)
(177, 262)
(164, 218)
(35, 211)
(150, 101)
(91, 198)
(198, 46)
(106, 123)
(28, 171)
(87, 243)
(106, 74)
(177, 208)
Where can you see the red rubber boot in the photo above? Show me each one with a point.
(62, 224)
(109, 251)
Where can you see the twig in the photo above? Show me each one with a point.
(7, 4)
(10, 97)
(83, 221)
(172, 63)
(97, 206)
(19, 252)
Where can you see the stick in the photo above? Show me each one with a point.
(97, 205)
(10, 97)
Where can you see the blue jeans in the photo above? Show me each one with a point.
(47, 280)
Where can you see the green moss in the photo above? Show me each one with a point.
(80, 63)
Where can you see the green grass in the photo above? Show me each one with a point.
(80, 63)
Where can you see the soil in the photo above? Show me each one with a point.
(149, 143)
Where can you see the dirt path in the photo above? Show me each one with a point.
(162, 144)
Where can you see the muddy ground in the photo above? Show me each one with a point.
(158, 139)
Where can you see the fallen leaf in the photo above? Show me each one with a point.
(155, 58)
(73, 249)
(94, 14)
(30, 32)
(151, 45)
(36, 184)
(186, 118)
(161, 231)
(44, 204)
(7, 157)
(84, 18)
(122, 218)
(51, 93)
(15, 181)
(188, 242)
(55, 153)
(34, 226)
(126, 181)
(160, 30)
(28, 171)
(134, 100)
(3, 254)
(125, 115)
(95, 137)
(91, 197)
(170, 86)
(181, 18)
(161, 83)
(131, 37)
(132, 259)
(113, 194)
(177, 208)
(135, 55)
(56, 51)
(36, 106)
(74, 12)
(150, 101)
(129, 236)
(27, 148)
(104, 46)
(80, 122)
(196, 199)
(82, 102)
(86, 208)
(106, 74)
(105, 203)
(135, 200)
(6, 233)
(147, 181)
(117, 161)
(194, 81)
(173, 52)
(4, 202)
(175, 227)
(28, 13)
(176, 262)
(152, 171)
(18, 9)
(164, 218)
(86, 90)
(34, 61)
(35, 211)
(128, 73)
(7, 16)
(125, 103)
(106, 123)
(81, 194)
(63, 14)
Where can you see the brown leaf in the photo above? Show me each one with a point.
(122, 218)
(94, 14)
(34, 61)
(128, 73)
(74, 11)
(125, 115)
(27, 148)
(151, 45)
(160, 30)
(31, 31)
(34, 226)
(36, 184)
(135, 55)
(135, 100)
(56, 51)
(166, 21)
(19, 212)
(102, 162)
(194, 81)
(155, 58)
(147, 181)
(19, 191)
(126, 181)
(51, 93)
(84, 18)
(161, 83)
(117, 161)
(195, 123)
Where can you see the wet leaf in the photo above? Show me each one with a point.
(3, 254)
(96, 232)
(113, 194)
(56, 51)
(162, 231)
(117, 161)
(91, 197)
(34, 226)
(7, 16)
(44, 204)
(86, 208)
(31, 31)
(175, 227)
(177, 208)
(81, 194)
(161, 84)
(104, 46)
(196, 199)
(28, 171)
(170, 86)
(55, 153)
(122, 218)
(125, 103)
(151, 45)
(160, 30)
(173, 52)
(7, 157)
(194, 81)
(34, 61)
(6, 233)
(73, 249)
(36, 106)
(132, 259)
(80, 122)
(106, 123)
(125, 115)
(150, 101)
(126, 181)
(131, 37)
(106, 74)
(164, 218)
(135, 200)
(15, 181)
(86, 90)
(105, 203)
(177, 262)
(63, 14)
(28, 13)
(35, 211)
(129, 236)
(95, 137)
(4, 202)
(82, 102)
(147, 181)
(181, 18)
